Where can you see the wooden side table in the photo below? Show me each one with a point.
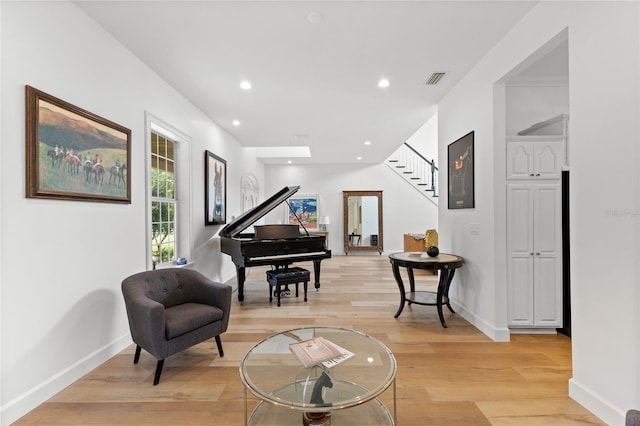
(445, 264)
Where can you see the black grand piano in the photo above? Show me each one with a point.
(276, 245)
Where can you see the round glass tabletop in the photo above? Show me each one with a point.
(273, 373)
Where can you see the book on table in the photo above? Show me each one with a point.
(316, 350)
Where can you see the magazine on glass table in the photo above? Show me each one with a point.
(319, 350)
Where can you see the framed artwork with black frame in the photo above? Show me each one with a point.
(74, 154)
(461, 173)
(215, 189)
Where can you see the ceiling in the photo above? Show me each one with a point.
(314, 66)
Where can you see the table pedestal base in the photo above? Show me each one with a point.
(445, 264)
(316, 419)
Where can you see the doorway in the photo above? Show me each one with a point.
(537, 105)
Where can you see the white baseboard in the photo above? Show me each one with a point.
(18, 407)
(593, 402)
(533, 330)
(496, 334)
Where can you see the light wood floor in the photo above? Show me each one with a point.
(453, 376)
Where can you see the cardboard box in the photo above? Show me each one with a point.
(413, 244)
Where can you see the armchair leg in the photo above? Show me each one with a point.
(158, 372)
(136, 357)
(219, 343)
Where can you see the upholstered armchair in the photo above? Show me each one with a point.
(632, 418)
(172, 309)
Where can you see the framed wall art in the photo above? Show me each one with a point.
(305, 208)
(461, 173)
(215, 189)
(73, 154)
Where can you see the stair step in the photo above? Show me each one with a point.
(415, 169)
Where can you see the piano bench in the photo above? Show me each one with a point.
(280, 277)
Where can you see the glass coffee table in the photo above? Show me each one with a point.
(345, 393)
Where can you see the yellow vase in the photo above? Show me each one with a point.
(430, 238)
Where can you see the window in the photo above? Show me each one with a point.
(163, 199)
(169, 194)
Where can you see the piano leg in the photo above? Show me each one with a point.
(316, 272)
(240, 274)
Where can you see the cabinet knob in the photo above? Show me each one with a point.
(531, 253)
(530, 174)
(537, 253)
(537, 174)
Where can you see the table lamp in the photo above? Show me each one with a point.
(324, 221)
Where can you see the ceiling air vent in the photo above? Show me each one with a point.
(434, 79)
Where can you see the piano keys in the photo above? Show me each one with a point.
(277, 245)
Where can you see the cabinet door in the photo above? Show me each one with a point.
(547, 159)
(520, 271)
(519, 160)
(547, 249)
(541, 158)
(534, 245)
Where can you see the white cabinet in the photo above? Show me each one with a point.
(534, 245)
(535, 157)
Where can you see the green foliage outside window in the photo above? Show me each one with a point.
(163, 215)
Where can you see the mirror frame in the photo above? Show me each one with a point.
(345, 221)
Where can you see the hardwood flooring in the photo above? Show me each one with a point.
(452, 376)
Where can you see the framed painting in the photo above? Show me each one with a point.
(461, 173)
(73, 154)
(302, 210)
(215, 189)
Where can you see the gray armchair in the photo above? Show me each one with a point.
(632, 418)
(172, 309)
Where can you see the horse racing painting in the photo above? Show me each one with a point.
(73, 154)
(215, 191)
(461, 171)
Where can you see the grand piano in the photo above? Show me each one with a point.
(276, 245)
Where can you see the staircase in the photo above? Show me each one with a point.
(416, 170)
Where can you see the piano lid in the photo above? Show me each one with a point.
(250, 217)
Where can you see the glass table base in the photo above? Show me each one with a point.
(373, 412)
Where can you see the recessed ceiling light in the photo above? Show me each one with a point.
(245, 85)
(383, 83)
(358, 158)
(236, 122)
(367, 142)
(289, 162)
(315, 17)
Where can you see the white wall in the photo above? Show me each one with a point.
(62, 262)
(403, 211)
(603, 98)
(425, 140)
(530, 104)
(1, 209)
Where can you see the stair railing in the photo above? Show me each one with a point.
(416, 169)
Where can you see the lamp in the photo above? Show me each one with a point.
(155, 257)
(324, 221)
